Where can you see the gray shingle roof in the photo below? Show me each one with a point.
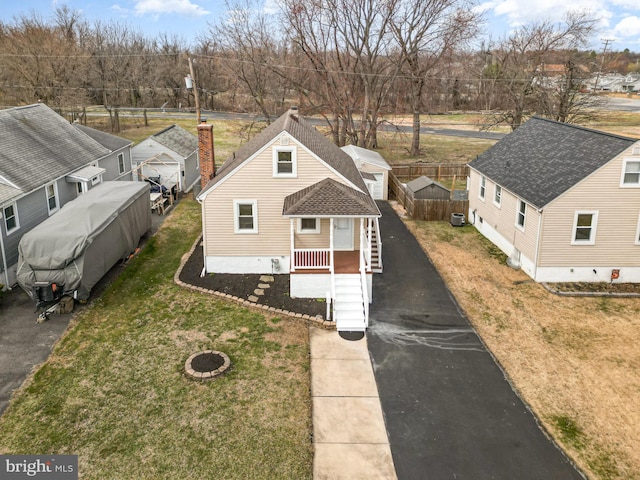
(112, 142)
(37, 146)
(292, 123)
(542, 159)
(328, 197)
(422, 182)
(177, 139)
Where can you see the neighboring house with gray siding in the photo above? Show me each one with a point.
(291, 202)
(171, 154)
(562, 201)
(44, 163)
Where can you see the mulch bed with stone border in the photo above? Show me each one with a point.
(262, 290)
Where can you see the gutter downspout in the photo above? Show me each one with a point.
(538, 243)
(4, 259)
(204, 242)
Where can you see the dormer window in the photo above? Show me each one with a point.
(284, 162)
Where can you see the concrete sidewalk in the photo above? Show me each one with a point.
(350, 438)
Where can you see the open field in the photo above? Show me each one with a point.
(113, 391)
(574, 360)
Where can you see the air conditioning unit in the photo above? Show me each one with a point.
(457, 219)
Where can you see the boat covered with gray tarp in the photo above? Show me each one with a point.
(70, 251)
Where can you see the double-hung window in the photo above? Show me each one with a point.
(284, 161)
(521, 215)
(52, 198)
(10, 215)
(121, 163)
(245, 216)
(584, 228)
(483, 187)
(631, 173)
(497, 197)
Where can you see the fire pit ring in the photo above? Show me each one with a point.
(206, 365)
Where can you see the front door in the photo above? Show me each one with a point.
(343, 234)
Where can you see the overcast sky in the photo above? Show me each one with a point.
(619, 19)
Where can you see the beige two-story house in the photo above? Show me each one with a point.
(562, 201)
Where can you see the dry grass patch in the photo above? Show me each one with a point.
(114, 392)
(574, 360)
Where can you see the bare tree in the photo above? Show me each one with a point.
(425, 31)
(516, 62)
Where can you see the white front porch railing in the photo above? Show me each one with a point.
(311, 258)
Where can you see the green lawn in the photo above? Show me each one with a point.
(113, 391)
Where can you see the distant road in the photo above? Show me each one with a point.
(625, 104)
(210, 115)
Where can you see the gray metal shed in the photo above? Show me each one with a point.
(424, 188)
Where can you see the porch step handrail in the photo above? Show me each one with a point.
(365, 290)
(378, 241)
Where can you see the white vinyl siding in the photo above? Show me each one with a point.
(10, 215)
(245, 216)
(638, 232)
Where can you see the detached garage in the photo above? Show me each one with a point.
(172, 155)
(374, 168)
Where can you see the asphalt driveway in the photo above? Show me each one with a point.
(449, 410)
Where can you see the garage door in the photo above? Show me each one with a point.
(169, 172)
(378, 187)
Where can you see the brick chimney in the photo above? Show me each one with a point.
(205, 151)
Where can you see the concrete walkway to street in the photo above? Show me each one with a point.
(349, 433)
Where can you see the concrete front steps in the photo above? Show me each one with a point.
(348, 310)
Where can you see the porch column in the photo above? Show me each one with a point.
(293, 240)
(331, 227)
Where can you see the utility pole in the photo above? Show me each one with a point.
(606, 42)
(192, 77)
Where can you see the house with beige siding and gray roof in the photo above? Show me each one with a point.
(562, 201)
(290, 202)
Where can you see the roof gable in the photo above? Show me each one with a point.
(177, 139)
(423, 182)
(542, 159)
(37, 146)
(112, 142)
(363, 155)
(292, 123)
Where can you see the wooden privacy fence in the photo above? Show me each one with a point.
(435, 172)
(429, 210)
